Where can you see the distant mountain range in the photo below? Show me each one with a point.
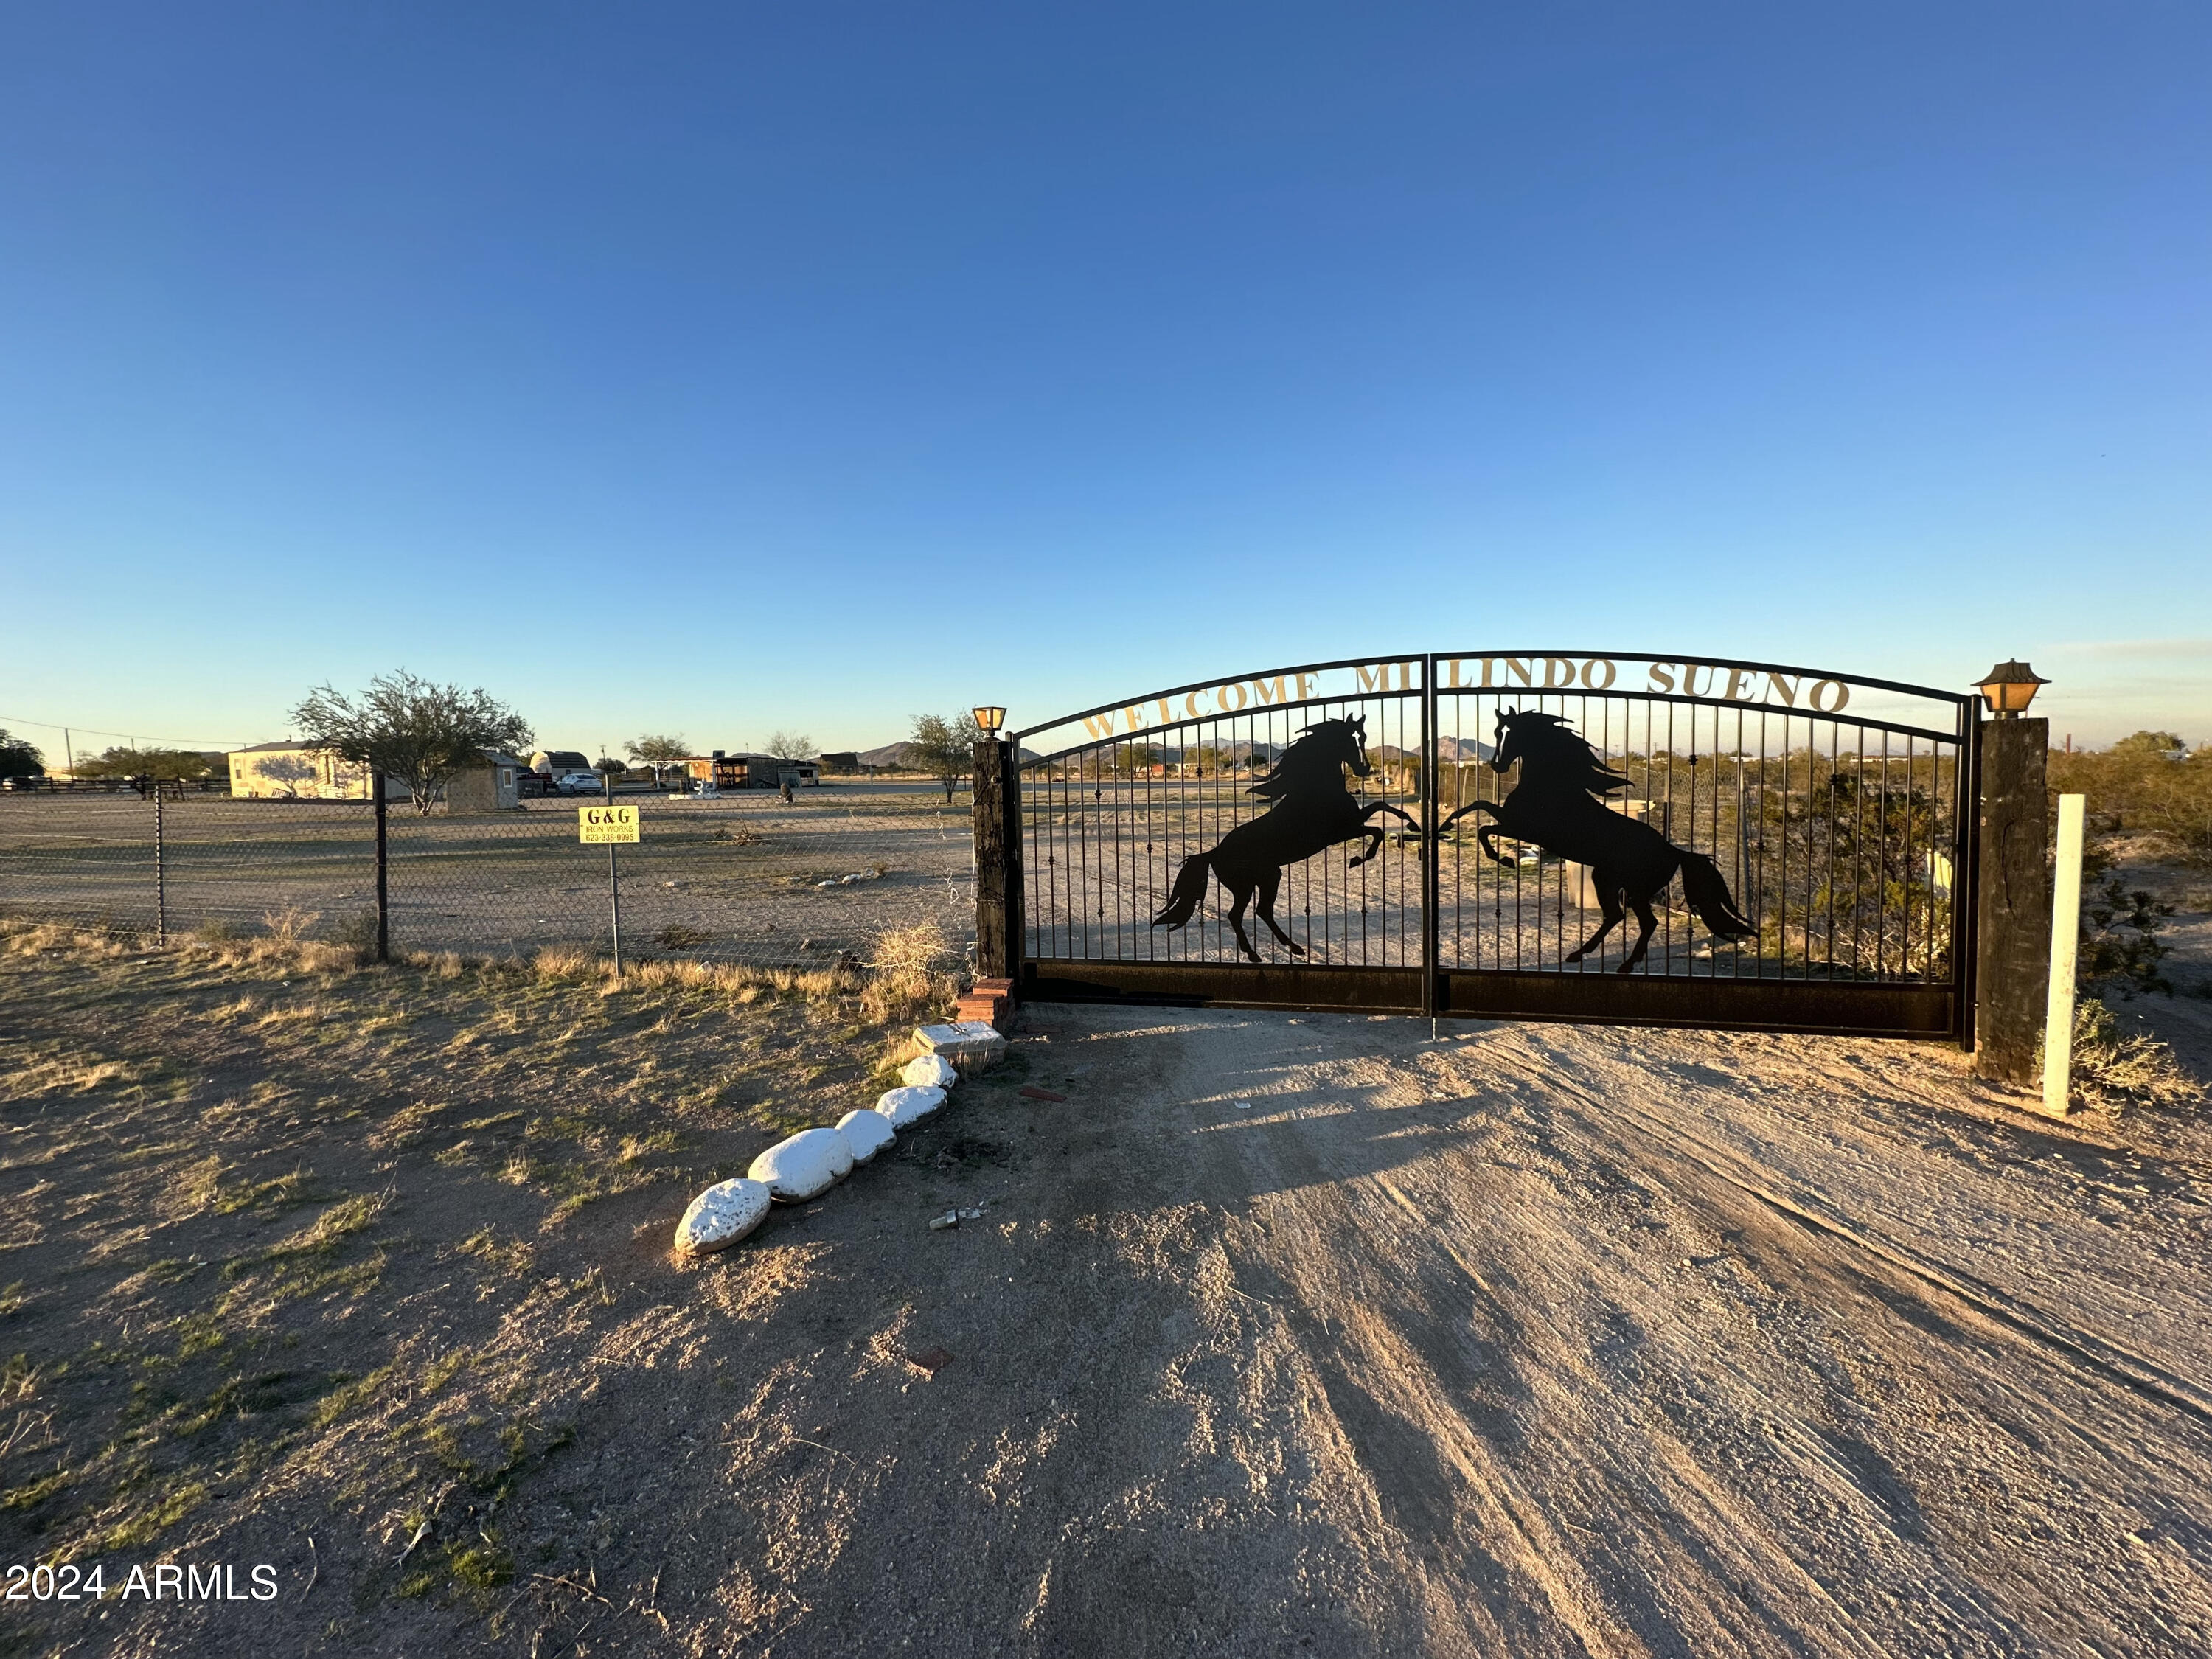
(1463, 751)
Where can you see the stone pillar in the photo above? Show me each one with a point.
(2012, 952)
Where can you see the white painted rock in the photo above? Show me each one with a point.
(900, 1107)
(971, 1045)
(809, 1162)
(930, 1072)
(721, 1215)
(866, 1133)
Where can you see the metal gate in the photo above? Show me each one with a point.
(1785, 849)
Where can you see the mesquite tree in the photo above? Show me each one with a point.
(411, 729)
(658, 750)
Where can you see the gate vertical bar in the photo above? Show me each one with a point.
(383, 867)
(1966, 876)
(161, 875)
(1432, 966)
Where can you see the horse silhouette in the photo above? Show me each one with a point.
(1313, 811)
(1558, 804)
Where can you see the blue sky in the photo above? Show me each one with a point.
(725, 368)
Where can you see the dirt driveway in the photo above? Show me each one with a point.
(1284, 1335)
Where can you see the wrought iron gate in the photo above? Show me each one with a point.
(1816, 834)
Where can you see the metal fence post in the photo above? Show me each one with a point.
(383, 871)
(161, 875)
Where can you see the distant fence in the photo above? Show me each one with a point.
(752, 881)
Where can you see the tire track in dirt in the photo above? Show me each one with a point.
(1392, 1274)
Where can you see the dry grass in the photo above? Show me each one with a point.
(284, 1191)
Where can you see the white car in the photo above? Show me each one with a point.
(579, 783)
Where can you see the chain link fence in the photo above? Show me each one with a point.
(746, 880)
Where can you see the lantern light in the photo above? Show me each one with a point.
(989, 719)
(2008, 688)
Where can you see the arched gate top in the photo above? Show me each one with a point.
(1741, 684)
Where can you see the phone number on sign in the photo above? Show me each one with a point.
(164, 1582)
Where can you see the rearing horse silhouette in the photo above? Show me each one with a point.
(1556, 805)
(1313, 811)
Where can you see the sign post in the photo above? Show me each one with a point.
(610, 826)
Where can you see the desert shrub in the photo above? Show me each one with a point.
(911, 972)
(2120, 949)
(2138, 785)
(2111, 1070)
(676, 936)
(288, 926)
(357, 932)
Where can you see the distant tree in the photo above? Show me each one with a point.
(791, 745)
(19, 758)
(2150, 743)
(410, 729)
(658, 752)
(608, 767)
(163, 765)
(945, 749)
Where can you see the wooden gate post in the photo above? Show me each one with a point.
(2013, 951)
(998, 950)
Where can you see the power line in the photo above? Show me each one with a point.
(128, 737)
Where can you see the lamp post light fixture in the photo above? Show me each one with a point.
(2008, 688)
(989, 719)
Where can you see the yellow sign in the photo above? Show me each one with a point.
(598, 825)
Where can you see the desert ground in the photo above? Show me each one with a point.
(1274, 1333)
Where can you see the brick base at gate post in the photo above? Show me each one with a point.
(988, 1002)
(2013, 954)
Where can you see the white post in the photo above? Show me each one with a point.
(2065, 931)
